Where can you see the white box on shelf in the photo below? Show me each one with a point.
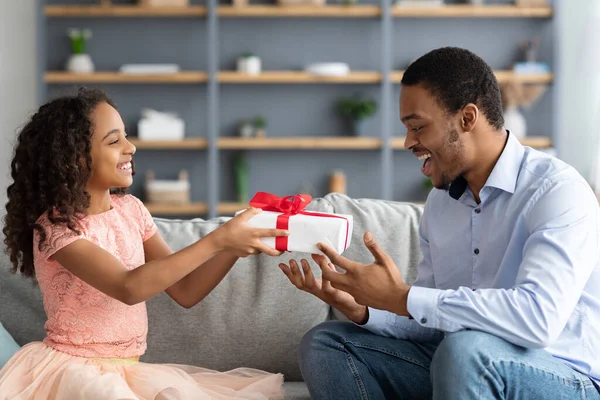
(160, 126)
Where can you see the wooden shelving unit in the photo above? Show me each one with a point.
(187, 77)
(230, 208)
(501, 76)
(123, 11)
(300, 143)
(469, 11)
(186, 144)
(539, 142)
(274, 11)
(381, 146)
(177, 209)
(298, 77)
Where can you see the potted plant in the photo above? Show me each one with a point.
(357, 110)
(245, 128)
(80, 61)
(260, 123)
(249, 64)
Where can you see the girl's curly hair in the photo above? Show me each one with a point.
(50, 168)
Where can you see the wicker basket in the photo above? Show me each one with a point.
(168, 192)
(164, 3)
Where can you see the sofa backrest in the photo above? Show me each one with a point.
(255, 317)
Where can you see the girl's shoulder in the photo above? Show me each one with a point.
(126, 202)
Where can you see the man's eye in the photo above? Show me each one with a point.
(416, 129)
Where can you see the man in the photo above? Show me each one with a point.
(507, 300)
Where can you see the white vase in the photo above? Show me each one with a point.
(515, 122)
(80, 64)
(253, 65)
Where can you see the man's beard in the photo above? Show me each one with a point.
(454, 156)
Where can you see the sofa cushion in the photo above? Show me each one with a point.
(8, 346)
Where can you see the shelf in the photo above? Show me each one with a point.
(470, 11)
(124, 11)
(117, 77)
(298, 77)
(501, 76)
(539, 142)
(177, 209)
(186, 144)
(270, 11)
(301, 143)
(230, 208)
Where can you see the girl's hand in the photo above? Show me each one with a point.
(239, 238)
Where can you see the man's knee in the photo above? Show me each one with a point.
(460, 351)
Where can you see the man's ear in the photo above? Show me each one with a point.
(468, 117)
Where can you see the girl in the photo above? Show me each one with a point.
(98, 257)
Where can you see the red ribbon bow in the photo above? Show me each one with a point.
(288, 206)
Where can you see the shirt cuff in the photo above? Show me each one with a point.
(422, 304)
(377, 319)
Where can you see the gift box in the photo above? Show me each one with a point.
(306, 228)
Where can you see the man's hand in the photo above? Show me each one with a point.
(378, 285)
(323, 289)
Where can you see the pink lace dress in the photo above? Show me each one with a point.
(94, 342)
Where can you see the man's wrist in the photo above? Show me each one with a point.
(360, 316)
(400, 305)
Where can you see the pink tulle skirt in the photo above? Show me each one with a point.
(39, 372)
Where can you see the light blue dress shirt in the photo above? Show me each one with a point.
(522, 265)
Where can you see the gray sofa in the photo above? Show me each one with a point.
(255, 317)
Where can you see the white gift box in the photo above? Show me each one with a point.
(306, 231)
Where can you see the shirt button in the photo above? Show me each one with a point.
(423, 320)
(476, 251)
(477, 210)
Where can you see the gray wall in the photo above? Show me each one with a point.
(17, 77)
(291, 110)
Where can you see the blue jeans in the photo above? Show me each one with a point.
(340, 360)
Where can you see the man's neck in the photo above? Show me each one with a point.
(488, 147)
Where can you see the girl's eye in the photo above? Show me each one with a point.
(115, 142)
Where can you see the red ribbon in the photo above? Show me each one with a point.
(289, 206)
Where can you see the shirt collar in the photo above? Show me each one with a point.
(505, 173)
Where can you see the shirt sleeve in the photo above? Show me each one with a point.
(559, 256)
(57, 237)
(389, 324)
(147, 225)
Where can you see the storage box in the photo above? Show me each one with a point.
(168, 191)
(164, 3)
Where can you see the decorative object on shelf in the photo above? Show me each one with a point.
(419, 3)
(249, 64)
(306, 228)
(531, 3)
(337, 182)
(240, 3)
(328, 69)
(105, 3)
(301, 2)
(516, 95)
(168, 191)
(260, 125)
(357, 110)
(79, 62)
(155, 125)
(476, 2)
(164, 3)
(349, 2)
(246, 129)
(530, 65)
(241, 177)
(147, 69)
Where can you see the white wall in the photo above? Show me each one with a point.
(17, 76)
(578, 84)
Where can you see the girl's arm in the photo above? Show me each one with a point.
(103, 271)
(190, 290)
